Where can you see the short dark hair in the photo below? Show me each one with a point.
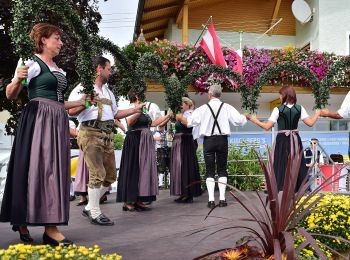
(43, 30)
(101, 61)
(288, 95)
(132, 96)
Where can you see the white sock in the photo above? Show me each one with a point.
(94, 201)
(161, 179)
(210, 187)
(103, 190)
(222, 187)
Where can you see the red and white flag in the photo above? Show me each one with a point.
(211, 46)
(239, 61)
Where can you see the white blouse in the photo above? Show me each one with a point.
(34, 68)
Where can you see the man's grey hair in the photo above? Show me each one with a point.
(215, 90)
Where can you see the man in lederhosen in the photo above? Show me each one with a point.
(95, 139)
(214, 119)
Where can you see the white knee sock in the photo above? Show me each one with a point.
(103, 190)
(210, 187)
(94, 201)
(161, 179)
(222, 187)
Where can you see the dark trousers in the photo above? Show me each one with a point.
(215, 151)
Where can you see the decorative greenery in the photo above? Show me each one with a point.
(22, 251)
(308, 68)
(22, 24)
(26, 13)
(250, 102)
(150, 66)
(339, 69)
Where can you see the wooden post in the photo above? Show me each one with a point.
(185, 23)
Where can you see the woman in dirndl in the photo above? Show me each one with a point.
(287, 118)
(38, 179)
(184, 170)
(138, 180)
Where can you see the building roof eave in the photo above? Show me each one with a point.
(139, 14)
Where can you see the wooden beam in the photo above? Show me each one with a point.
(274, 15)
(180, 13)
(185, 23)
(156, 19)
(155, 29)
(160, 7)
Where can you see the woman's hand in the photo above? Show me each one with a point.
(178, 117)
(138, 107)
(22, 72)
(249, 116)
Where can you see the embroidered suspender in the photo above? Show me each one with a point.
(215, 118)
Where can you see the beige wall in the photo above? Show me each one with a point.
(4, 115)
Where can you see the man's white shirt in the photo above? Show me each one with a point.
(344, 110)
(203, 118)
(108, 112)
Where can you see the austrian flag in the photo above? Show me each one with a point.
(211, 46)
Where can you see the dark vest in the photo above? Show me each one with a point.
(50, 85)
(180, 128)
(288, 117)
(144, 121)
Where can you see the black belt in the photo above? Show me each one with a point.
(106, 126)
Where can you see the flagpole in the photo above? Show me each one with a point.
(205, 27)
(240, 39)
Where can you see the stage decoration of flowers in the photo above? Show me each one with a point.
(22, 251)
(185, 60)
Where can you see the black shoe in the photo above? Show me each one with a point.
(71, 197)
(222, 203)
(81, 203)
(211, 204)
(103, 199)
(53, 242)
(26, 238)
(186, 200)
(86, 213)
(179, 199)
(101, 220)
(126, 208)
(141, 208)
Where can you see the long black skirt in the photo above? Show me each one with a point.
(281, 153)
(129, 172)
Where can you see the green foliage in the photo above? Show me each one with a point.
(338, 69)
(241, 161)
(118, 141)
(73, 17)
(250, 101)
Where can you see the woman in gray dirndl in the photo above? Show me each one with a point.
(138, 180)
(184, 169)
(38, 178)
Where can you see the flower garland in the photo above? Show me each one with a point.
(131, 79)
(271, 72)
(338, 69)
(26, 13)
(151, 66)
